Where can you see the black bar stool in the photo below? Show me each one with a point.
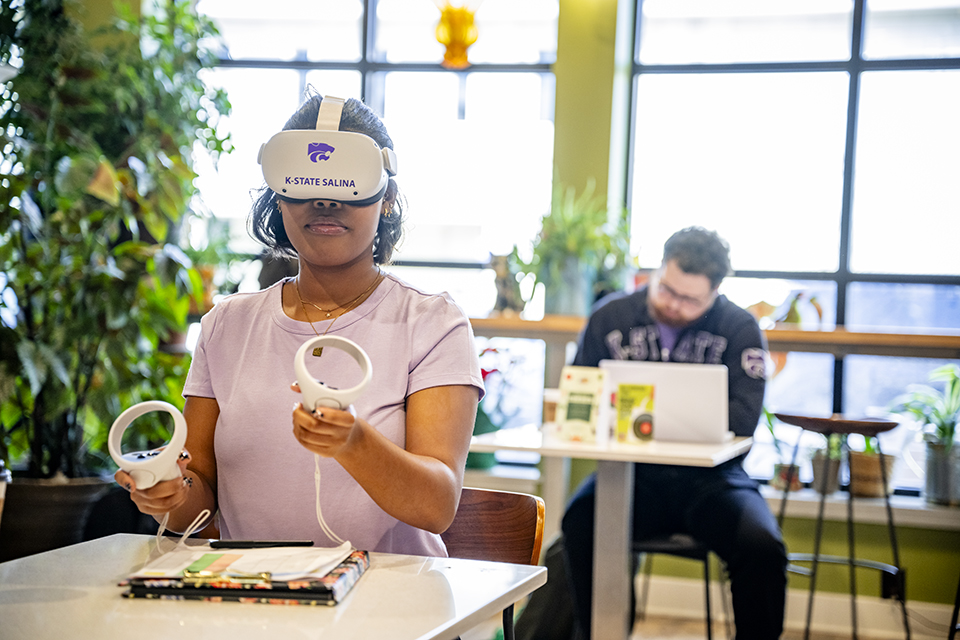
(837, 424)
(954, 627)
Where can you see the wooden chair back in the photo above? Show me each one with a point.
(499, 526)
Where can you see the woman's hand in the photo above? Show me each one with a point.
(325, 431)
(162, 497)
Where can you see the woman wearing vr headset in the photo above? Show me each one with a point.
(392, 468)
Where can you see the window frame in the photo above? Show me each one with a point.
(372, 80)
(854, 66)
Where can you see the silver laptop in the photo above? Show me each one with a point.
(665, 401)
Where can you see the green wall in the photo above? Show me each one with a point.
(584, 72)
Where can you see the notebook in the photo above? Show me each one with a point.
(313, 576)
(665, 401)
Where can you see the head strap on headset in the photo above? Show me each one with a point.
(328, 117)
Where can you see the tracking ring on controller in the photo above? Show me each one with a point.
(148, 467)
(315, 393)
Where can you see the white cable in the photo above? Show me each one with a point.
(316, 482)
(195, 526)
(190, 530)
(163, 527)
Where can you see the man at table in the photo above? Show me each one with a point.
(680, 317)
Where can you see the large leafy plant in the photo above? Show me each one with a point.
(98, 135)
(937, 411)
(577, 230)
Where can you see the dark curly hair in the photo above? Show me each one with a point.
(701, 252)
(265, 221)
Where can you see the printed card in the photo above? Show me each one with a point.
(578, 407)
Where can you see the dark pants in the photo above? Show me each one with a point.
(722, 508)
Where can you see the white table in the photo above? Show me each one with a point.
(614, 505)
(72, 593)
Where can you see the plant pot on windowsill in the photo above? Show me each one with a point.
(784, 475)
(832, 472)
(942, 474)
(866, 479)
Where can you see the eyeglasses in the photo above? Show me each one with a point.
(665, 290)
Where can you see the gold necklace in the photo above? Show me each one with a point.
(318, 351)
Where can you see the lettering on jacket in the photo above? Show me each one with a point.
(698, 347)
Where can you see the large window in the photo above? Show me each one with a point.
(818, 138)
(474, 146)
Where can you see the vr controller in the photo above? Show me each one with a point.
(157, 465)
(327, 164)
(315, 393)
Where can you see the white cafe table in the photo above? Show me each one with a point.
(72, 593)
(614, 503)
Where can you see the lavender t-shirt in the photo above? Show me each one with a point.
(244, 359)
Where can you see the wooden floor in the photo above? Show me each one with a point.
(659, 627)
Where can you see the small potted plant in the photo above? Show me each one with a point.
(827, 457)
(866, 475)
(579, 251)
(937, 412)
(785, 475)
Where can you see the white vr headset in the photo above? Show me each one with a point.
(327, 164)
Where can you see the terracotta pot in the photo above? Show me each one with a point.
(865, 475)
(41, 515)
(833, 473)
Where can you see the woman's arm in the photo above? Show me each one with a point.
(185, 497)
(419, 485)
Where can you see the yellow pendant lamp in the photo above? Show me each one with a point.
(456, 30)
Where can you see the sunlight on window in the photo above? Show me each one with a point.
(751, 156)
(479, 184)
(290, 29)
(715, 31)
(906, 206)
(911, 29)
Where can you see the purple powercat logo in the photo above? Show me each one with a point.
(319, 151)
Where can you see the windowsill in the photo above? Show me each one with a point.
(908, 511)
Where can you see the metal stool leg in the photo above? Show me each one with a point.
(901, 583)
(815, 561)
(956, 612)
(850, 561)
(706, 596)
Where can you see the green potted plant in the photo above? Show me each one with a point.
(866, 475)
(785, 474)
(578, 252)
(937, 412)
(97, 174)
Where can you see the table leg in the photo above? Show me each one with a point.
(554, 480)
(611, 559)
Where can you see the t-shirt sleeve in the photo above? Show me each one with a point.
(198, 381)
(444, 352)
